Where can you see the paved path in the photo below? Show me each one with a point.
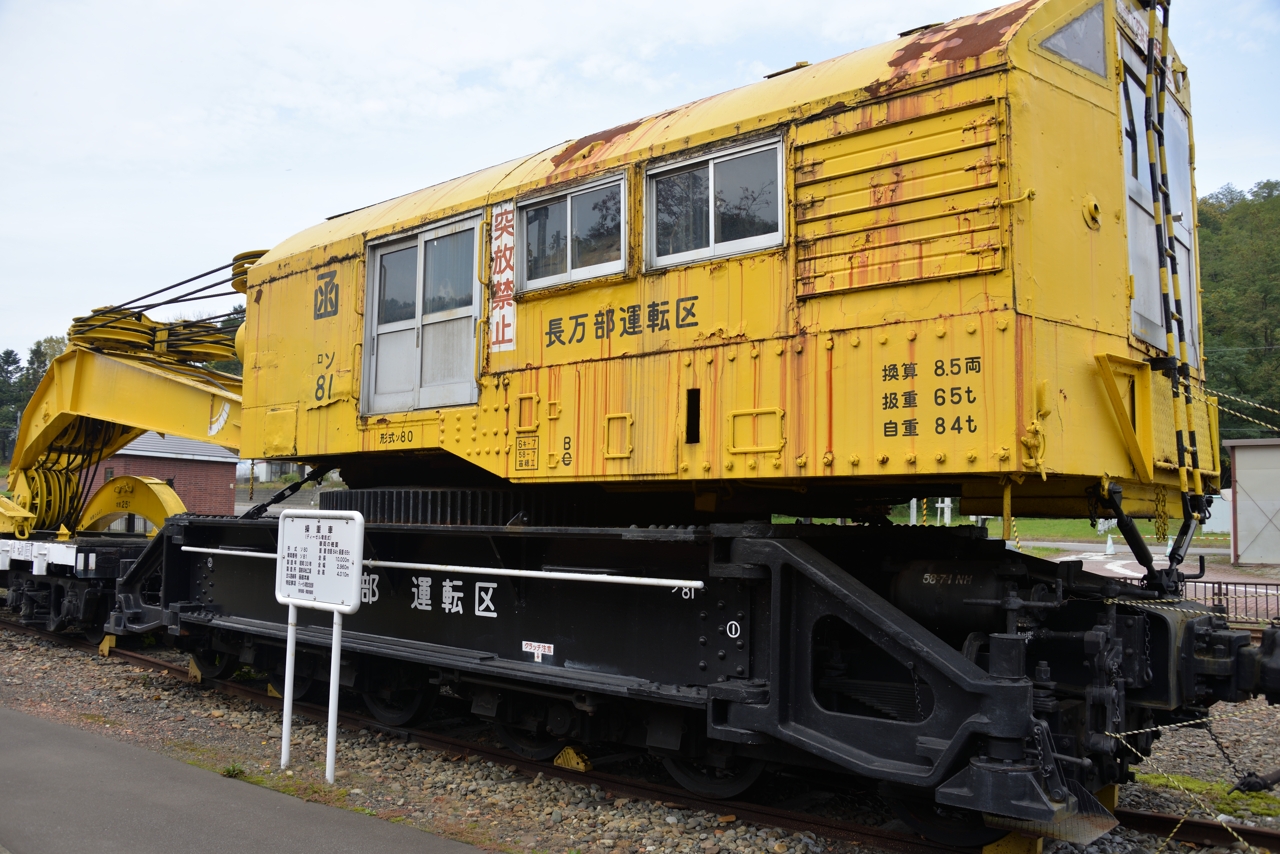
(1122, 565)
(1156, 548)
(62, 789)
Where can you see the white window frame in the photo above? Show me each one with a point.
(595, 271)
(713, 249)
(451, 394)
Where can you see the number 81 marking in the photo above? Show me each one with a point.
(321, 392)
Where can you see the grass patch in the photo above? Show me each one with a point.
(248, 674)
(317, 793)
(100, 720)
(1215, 794)
(1044, 551)
(201, 751)
(1078, 530)
(1066, 530)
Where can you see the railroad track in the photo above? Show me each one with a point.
(1196, 831)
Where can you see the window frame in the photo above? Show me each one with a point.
(375, 249)
(714, 249)
(595, 271)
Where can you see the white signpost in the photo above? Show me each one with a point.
(318, 565)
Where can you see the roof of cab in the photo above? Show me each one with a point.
(959, 46)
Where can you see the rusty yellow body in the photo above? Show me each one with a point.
(956, 299)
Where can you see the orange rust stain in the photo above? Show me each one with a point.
(956, 46)
(959, 41)
(604, 136)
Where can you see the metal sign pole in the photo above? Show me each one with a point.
(290, 657)
(335, 671)
(319, 560)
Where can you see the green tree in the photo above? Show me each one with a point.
(10, 370)
(1240, 278)
(39, 357)
(18, 382)
(231, 324)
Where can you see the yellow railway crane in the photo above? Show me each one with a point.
(570, 392)
(122, 375)
(926, 266)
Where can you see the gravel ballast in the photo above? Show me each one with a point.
(496, 806)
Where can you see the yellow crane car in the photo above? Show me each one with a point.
(569, 395)
(933, 266)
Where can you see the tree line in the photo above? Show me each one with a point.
(18, 381)
(1240, 278)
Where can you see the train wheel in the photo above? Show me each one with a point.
(949, 825)
(711, 782)
(538, 747)
(401, 706)
(94, 631)
(56, 621)
(216, 665)
(302, 685)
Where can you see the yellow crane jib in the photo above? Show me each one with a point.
(123, 374)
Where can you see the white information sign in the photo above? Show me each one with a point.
(319, 560)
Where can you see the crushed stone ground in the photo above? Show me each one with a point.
(493, 806)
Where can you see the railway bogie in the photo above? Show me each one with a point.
(65, 585)
(725, 648)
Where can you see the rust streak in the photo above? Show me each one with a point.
(604, 136)
(963, 38)
(952, 45)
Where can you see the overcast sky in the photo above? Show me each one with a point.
(142, 142)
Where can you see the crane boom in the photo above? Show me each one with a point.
(121, 375)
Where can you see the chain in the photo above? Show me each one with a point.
(1162, 514)
(1190, 795)
(1017, 541)
(915, 683)
(1222, 748)
(1163, 727)
(1233, 618)
(1222, 408)
(1091, 501)
(1247, 418)
(1242, 400)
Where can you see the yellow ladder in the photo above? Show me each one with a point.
(1177, 365)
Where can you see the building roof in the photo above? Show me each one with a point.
(171, 447)
(1245, 443)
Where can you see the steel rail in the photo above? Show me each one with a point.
(668, 796)
(1196, 831)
